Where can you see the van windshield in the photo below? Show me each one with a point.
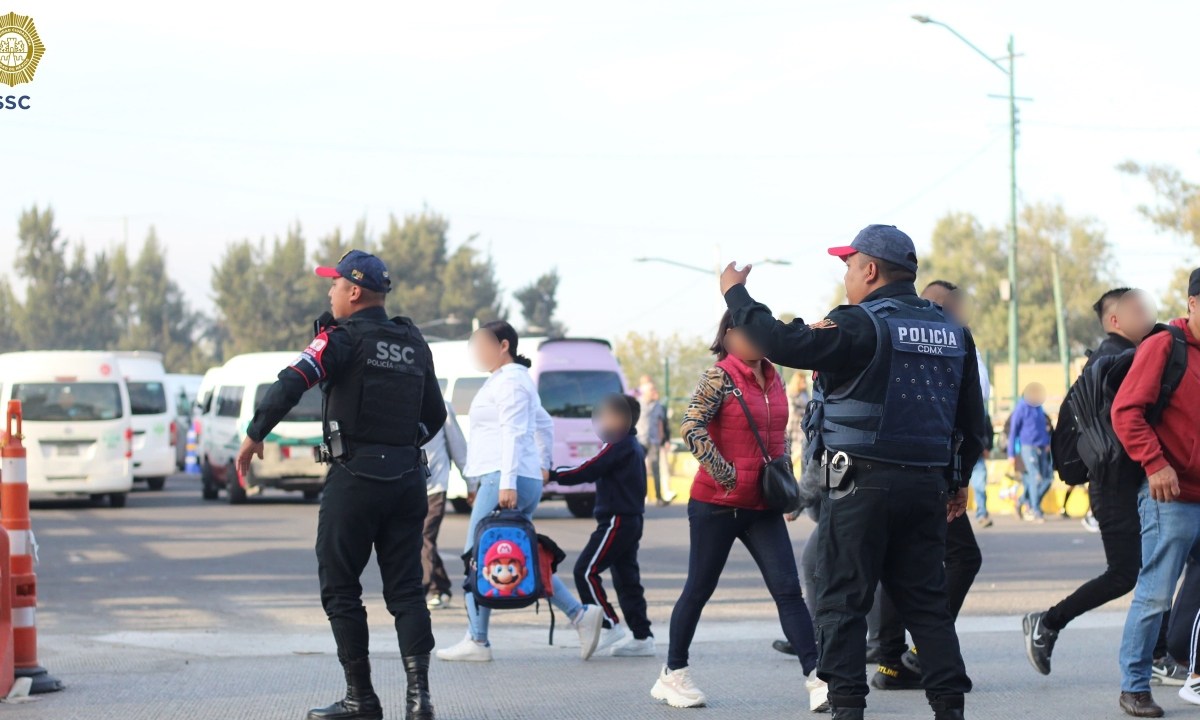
(147, 398)
(72, 401)
(307, 410)
(571, 393)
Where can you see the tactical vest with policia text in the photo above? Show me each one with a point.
(378, 400)
(902, 408)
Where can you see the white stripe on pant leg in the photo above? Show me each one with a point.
(1195, 668)
(592, 563)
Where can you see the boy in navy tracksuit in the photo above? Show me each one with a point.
(619, 471)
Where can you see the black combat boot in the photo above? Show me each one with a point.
(417, 703)
(949, 707)
(360, 703)
(847, 713)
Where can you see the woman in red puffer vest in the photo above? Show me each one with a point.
(727, 505)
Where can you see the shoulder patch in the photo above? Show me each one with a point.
(825, 324)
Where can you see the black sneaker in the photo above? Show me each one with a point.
(784, 647)
(911, 661)
(1165, 671)
(1039, 641)
(895, 677)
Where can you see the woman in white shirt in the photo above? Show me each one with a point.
(508, 458)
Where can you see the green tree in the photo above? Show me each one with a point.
(470, 291)
(41, 261)
(240, 294)
(1174, 302)
(975, 257)
(1178, 200)
(159, 316)
(10, 318)
(538, 301)
(653, 355)
(415, 253)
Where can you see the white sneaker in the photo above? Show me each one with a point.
(1191, 690)
(818, 694)
(609, 639)
(635, 648)
(675, 688)
(589, 625)
(467, 650)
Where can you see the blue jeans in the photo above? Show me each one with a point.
(1039, 473)
(979, 478)
(529, 494)
(1170, 534)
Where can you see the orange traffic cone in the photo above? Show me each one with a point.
(14, 517)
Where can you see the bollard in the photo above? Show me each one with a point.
(14, 516)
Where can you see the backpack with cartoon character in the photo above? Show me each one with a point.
(504, 569)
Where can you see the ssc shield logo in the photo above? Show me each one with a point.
(20, 49)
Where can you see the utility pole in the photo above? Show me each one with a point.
(1064, 352)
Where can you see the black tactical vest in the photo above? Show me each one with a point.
(377, 401)
(902, 408)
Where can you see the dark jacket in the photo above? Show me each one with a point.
(1114, 344)
(841, 346)
(327, 358)
(619, 471)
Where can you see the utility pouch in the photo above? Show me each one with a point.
(954, 478)
(337, 447)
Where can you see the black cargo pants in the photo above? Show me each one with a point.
(890, 529)
(357, 515)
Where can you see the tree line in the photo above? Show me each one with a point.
(68, 299)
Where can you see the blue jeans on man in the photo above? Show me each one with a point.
(979, 478)
(1170, 535)
(1038, 475)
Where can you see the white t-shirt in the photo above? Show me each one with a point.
(511, 433)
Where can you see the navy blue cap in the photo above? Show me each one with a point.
(362, 269)
(1194, 283)
(886, 242)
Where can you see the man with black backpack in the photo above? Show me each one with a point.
(1161, 436)
(1127, 317)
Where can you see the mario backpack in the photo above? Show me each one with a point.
(503, 566)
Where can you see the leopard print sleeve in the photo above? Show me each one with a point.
(715, 385)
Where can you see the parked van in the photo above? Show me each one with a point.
(288, 459)
(77, 422)
(181, 393)
(154, 423)
(571, 374)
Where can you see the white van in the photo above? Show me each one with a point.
(154, 423)
(77, 422)
(181, 393)
(288, 463)
(460, 381)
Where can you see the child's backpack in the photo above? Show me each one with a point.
(510, 566)
(504, 570)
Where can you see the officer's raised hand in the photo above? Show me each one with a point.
(249, 449)
(508, 499)
(731, 276)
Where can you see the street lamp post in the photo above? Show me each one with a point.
(1013, 327)
(706, 271)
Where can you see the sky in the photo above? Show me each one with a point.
(584, 136)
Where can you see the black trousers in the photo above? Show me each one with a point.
(963, 560)
(713, 530)
(433, 571)
(655, 469)
(357, 515)
(614, 547)
(1184, 636)
(1115, 507)
(890, 529)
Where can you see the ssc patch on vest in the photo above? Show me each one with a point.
(927, 338)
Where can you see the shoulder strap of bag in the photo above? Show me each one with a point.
(1173, 373)
(737, 393)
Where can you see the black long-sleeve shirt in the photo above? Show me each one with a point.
(619, 471)
(842, 346)
(325, 360)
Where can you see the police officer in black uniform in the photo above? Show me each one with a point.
(382, 403)
(898, 424)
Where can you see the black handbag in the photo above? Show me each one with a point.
(780, 491)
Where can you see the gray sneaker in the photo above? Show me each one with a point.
(1166, 671)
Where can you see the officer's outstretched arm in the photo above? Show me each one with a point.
(845, 340)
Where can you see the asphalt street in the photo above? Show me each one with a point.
(177, 607)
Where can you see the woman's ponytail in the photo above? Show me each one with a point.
(503, 331)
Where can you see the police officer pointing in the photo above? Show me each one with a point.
(897, 424)
(382, 402)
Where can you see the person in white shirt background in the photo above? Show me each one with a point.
(507, 461)
(447, 446)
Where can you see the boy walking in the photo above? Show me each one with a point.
(619, 472)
